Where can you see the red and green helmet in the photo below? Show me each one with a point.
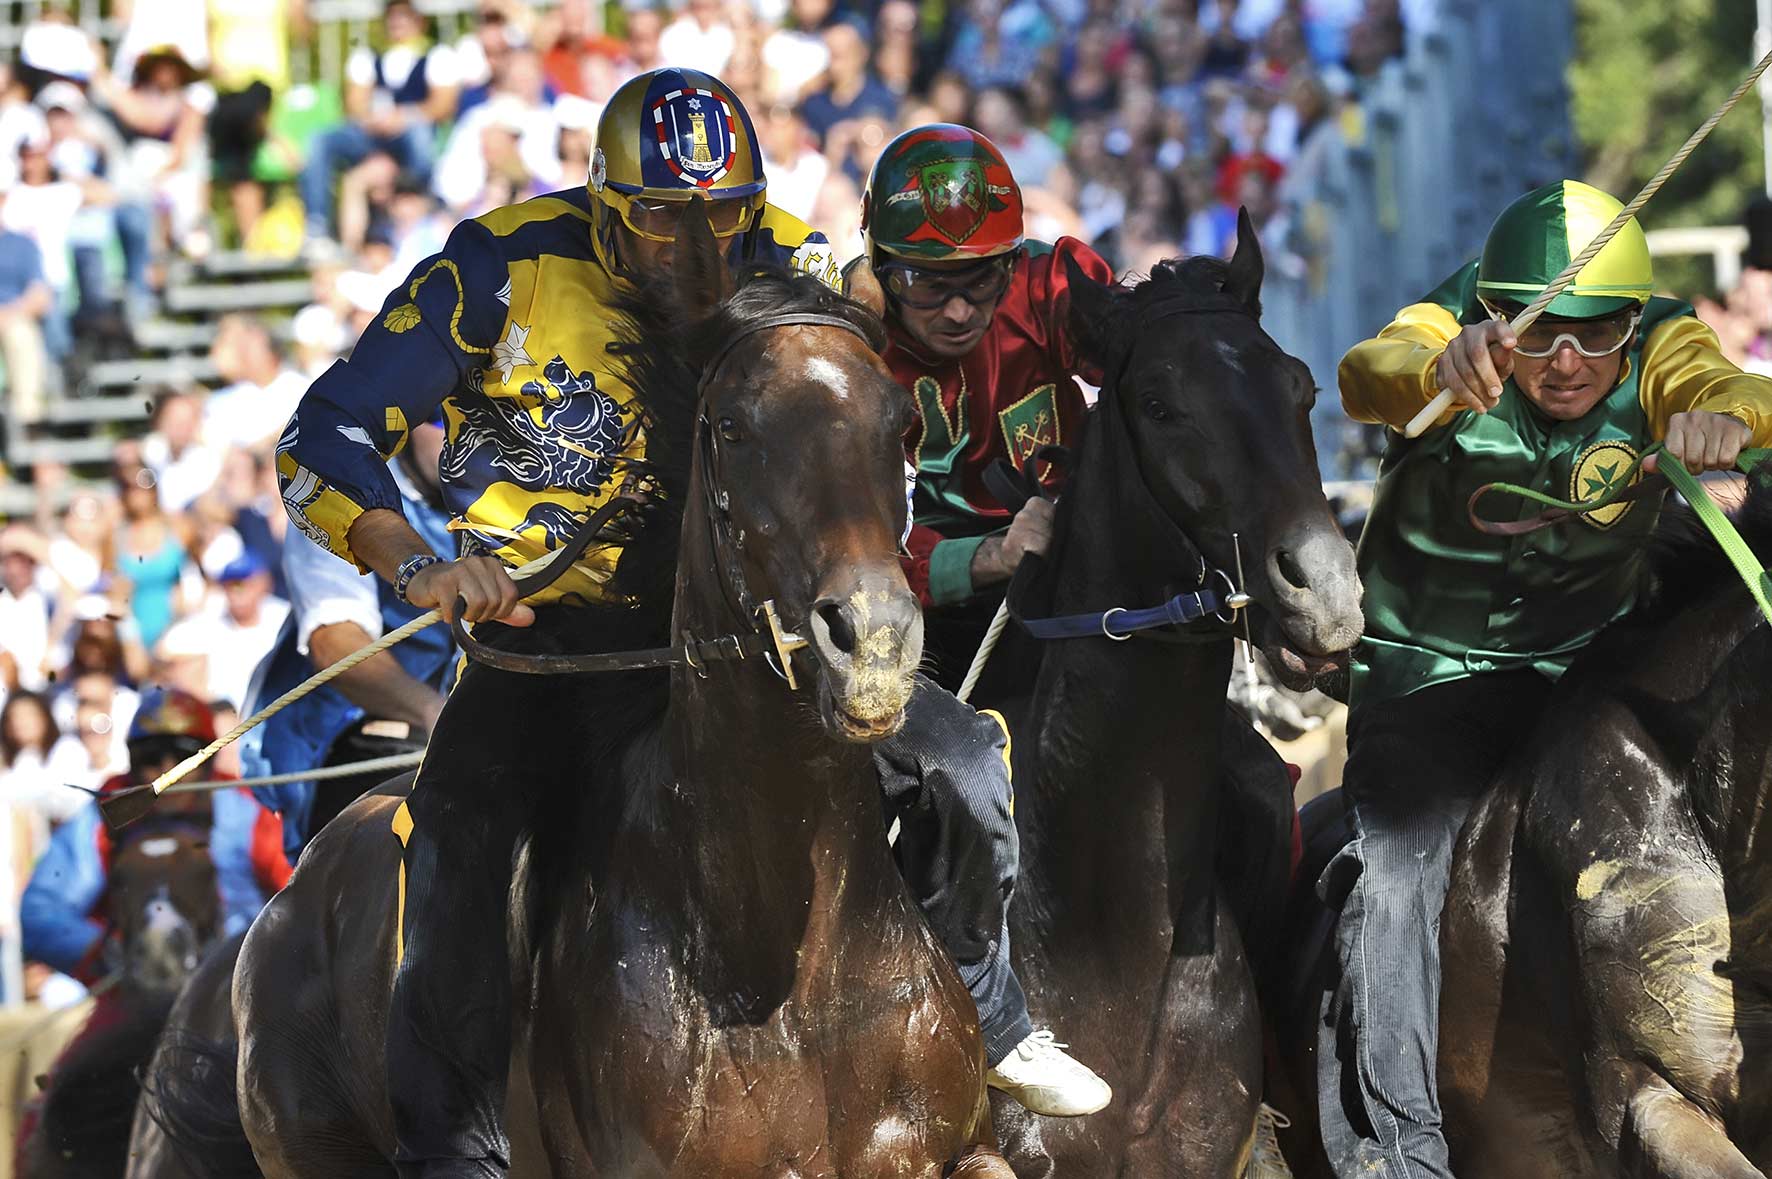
(941, 191)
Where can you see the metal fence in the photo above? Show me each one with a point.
(1474, 114)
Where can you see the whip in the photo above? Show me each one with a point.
(1431, 412)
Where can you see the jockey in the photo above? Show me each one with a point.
(1466, 632)
(62, 906)
(384, 706)
(507, 329)
(978, 333)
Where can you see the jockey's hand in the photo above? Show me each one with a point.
(1030, 532)
(1476, 362)
(488, 590)
(1704, 441)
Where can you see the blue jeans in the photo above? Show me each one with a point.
(1416, 766)
(348, 145)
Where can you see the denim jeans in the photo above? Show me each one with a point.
(346, 146)
(1416, 766)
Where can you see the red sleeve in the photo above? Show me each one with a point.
(269, 865)
(1049, 294)
(918, 549)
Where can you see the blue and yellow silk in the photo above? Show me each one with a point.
(507, 329)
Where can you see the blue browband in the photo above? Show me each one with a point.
(1120, 623)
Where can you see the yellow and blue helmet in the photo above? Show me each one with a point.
(666, 137)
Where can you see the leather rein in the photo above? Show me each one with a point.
(764, 637)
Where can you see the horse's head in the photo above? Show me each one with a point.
(163, 903)
(800, 469)
(1217, 419)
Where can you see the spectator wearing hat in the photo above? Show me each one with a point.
(395, 98)
(217, 650)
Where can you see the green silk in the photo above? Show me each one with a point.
(1444, 601)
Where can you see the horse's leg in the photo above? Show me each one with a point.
(1195, 1116)
(1667, 1137)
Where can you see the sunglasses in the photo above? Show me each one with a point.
(659, 220)
(927, 290)
(1592, 338)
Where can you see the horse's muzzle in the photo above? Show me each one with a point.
(868, 638)
(1315, 589)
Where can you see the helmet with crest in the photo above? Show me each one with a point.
(941, 192)
(170, 720)
(666, 137)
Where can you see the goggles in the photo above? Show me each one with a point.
(657, 220)
(1593, 338)
(927, 290)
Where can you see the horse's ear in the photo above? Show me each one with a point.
(1092, 311)
(703, 279)
(863, 285)
(1243, 281)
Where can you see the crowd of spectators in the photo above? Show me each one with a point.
(1138, 125)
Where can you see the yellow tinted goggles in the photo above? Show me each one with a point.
(658, 220)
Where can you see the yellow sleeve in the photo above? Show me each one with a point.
(1684, 369)
(1389, 378)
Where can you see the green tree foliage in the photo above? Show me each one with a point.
(1645, 75)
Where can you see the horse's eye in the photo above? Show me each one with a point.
(1155, 410)
(730, 430)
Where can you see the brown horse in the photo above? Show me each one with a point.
(722, 972)
(1606, 1006)
(163, 905)
(1198, 458)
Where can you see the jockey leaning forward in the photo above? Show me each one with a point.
(62, 908)
(513, 314)
(977, 332)
(1467, 632)
(384, 706)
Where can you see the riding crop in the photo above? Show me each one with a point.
(126, 806)
(1525, 319)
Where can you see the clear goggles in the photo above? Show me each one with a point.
(927, 290)
(1593, 338)
(657, 220)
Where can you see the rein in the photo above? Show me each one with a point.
(1742, 557)
(764, 637)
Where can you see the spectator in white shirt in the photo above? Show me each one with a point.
(218, 650)
(701, 39)
(262, 390)
(473, 170)
(183, 464)
(38, 765)
(24, 606)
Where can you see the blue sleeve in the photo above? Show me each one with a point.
(434, 332)
(65, 887)
(230, 847)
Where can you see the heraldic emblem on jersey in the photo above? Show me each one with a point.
(695, 135)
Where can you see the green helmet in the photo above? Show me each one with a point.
(1536, 238)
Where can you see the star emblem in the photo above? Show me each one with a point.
(695, 104)
(1608, 477)
(509, 354)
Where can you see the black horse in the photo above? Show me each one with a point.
(1196, 461)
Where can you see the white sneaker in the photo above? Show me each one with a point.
(1039, 1075)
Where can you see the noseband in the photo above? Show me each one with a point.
(764, 635)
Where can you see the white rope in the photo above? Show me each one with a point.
(998, 622)
(393, 761)
(1431, 412)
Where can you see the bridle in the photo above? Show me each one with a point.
(762, 635)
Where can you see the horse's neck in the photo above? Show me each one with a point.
(1732, 761)
(1128, 731)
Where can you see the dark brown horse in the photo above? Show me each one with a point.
(163, 905)
(1123, 934)
(1607, 999)
(722, 972)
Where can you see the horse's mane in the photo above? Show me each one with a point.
(1686, 563)
(1179, 279)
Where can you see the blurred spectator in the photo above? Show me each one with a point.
(700, 39)
(579, 60)
(220, 648)
(25, 607)
(162, 128)
(152, 553)
(262, 390)
(25, 300)
(644, 40)
(505, 149)
(38, 765)
(80, 553)
(999, 43)
(19, 121)
(850, 91)
(395, 98)
(184, 465)
(43, 208)
(795, 55)
(1002, 115)
(795, 167)
(499, 27)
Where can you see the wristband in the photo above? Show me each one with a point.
(409, 569)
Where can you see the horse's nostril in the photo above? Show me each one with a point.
(1291, 570)
(842, 634)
